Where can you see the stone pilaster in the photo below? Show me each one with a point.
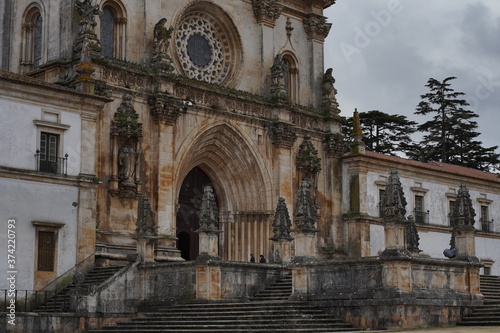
(282, 228)
(306, 218)
(283, 136)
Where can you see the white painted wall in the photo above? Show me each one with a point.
(19, 135)
(28, 201)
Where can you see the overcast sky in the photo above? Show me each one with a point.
(384, 51)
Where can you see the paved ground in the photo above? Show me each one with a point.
(456, 329)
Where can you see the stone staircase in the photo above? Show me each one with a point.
(489, 313)
(269, 311)
(60, 302)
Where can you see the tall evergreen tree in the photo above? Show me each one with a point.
(451, 135)
(384, 133)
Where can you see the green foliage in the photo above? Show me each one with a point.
(451, 135)
(384, 133)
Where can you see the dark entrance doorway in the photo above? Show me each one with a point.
(187, 216)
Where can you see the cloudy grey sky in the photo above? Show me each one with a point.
(384, 51)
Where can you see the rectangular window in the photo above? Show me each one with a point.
(450, 215)
(485, 222)
(419, 209)
(381, 211)
(46, 254)
(47, 154)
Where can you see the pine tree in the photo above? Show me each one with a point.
(451, 135)
(384, 133)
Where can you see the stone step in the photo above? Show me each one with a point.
(489, 313)
(58, 303)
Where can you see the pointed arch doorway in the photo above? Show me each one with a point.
(187, 220)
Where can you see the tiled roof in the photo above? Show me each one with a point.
(438, 166)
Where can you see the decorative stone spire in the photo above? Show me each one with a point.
(305, 209)
(282, 223)
(463, 213)
(394, 201)
(412, 237)
(209, 213)
(357, 145)
(307, 157)
(126, 120)
(146, 226)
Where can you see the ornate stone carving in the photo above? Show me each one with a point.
(316, 27)
(329, 104)
(209, 213)
(282, 224)
(267, 11)
(161, 42)
(165, 108)
(87, 12)
(394, 201)
(145, 224)
(126, 133)
(279, 71)
(412, 237)
(205, 50)
(307, 158)
(334, 144)
(305, 210)
(283, 134)
(463, 213)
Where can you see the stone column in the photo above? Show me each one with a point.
(317, 30)
(165, 110)
(283, 137)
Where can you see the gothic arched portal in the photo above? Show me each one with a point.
(187, 220)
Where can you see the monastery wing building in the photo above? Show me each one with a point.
(185, 137)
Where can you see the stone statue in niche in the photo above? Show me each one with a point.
(278, 72)
(128, 159)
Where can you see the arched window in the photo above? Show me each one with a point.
(291, 79)
(32, 40)
(107, 32)
(112, 29)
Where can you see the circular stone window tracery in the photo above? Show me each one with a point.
(207, 45)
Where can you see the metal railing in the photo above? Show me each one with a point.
(30, 300)
(486, 226)
(51, 164)
(421, 216)
(52, 297)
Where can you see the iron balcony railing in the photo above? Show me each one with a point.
(486, 226)
(421, 216)
(51, 164)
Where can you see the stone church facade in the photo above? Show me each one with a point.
(228, 94)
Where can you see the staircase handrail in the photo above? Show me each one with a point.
(65, 279)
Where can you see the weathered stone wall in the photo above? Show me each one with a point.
(376, 293)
